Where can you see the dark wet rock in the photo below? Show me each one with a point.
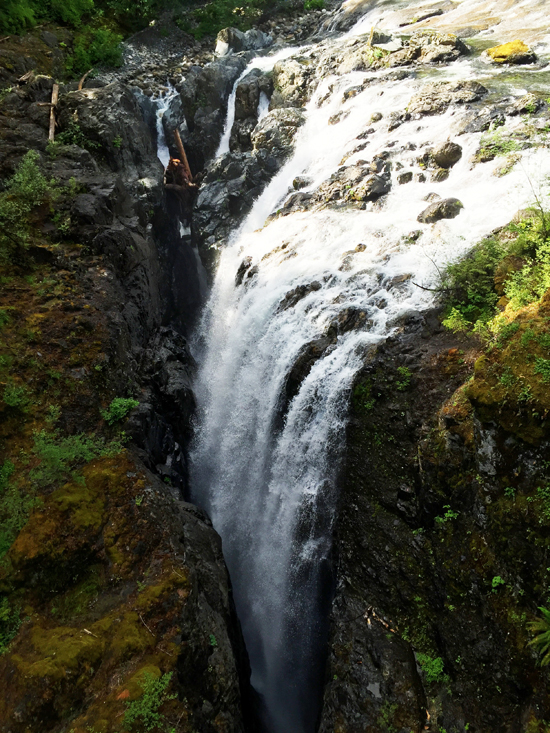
(405, 177)
(232, 40)
(275, 133)
(301, 182)
(444, 209)
(480, 120)
(435, 97)
(439, 175)
(229, 188)
(204, 95)
(447, 154)
(110, 117)
(294, 296)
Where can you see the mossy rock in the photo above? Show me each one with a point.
(515, 52)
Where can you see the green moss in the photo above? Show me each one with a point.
(60, 653)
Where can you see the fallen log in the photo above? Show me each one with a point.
(55, 97)
(183, 156)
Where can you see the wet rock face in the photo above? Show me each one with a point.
(204, 95)
(294, 81)
(411, 573)
(253, 89)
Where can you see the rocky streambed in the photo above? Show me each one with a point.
(330, 407)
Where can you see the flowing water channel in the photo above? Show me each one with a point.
(265, 465)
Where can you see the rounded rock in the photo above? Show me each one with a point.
(447, 154)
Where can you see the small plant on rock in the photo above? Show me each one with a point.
(144, 713)
(118, 409)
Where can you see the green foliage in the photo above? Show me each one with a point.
(494, 144)
(4, 317)
(541, 500)
(541, 627)
(448, 516)
(61, 456)
(542, 367)
(73, 135)
(496, 582)
(433, 669)
(118, 409)
(470, 289)
(25, 190)
(14, 507)
(9, 624)
(16, 16)
(405, 376)
(95, 47)
(362, 397)
(314, 4)
(213, 640)
(16, 397)
(217, 14)
(145, 711)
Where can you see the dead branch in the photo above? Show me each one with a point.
(183, 156)
(4, 39)
(55, 97)
(26, 77)
(432, 290)
(81, 82)
(143, 622)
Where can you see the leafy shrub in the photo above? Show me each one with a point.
(145, 711)
(433, 669)
(542, 367)
(118, 409)
(26, 189)
(14, 508)
(405, 376)
(61, 456)
(218, 14)
(16, 16)
(74, 135)
(542, 639)
(9, 624)
(16, 397)
(95, 47)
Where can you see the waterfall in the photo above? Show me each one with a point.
(162, 104)
(271, 422)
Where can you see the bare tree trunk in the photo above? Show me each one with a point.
(55, 96)
(183, 156)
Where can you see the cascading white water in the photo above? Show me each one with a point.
(264, 460)
(163, 102)
(263, 63)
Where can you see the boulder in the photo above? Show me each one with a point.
(429, 46)
(515, 52)
(447, 154)
(444, 209)
(435, 97)
(232, 40)
(294, 81)
(276, 132)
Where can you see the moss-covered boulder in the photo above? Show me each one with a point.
(515, 52)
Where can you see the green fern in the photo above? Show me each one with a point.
(541, 627)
